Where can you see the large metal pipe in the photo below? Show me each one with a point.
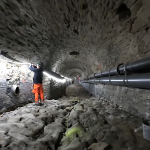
(136, 80)
(138, 66)
(15, 90)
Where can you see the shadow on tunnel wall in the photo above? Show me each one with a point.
(57, 90)
(9, 100)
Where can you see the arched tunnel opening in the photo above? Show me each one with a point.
(74, 75)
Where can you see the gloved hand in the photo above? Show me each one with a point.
(31, 64)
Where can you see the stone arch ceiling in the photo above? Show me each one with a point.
(96, 32)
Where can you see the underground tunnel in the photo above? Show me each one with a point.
(96, 74)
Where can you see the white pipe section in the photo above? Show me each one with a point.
(52, 77)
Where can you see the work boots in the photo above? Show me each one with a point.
(42, 102)
(37, 104)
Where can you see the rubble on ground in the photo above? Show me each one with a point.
(70, 123)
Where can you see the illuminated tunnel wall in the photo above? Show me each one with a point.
(16, 85)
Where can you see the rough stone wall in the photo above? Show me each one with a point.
(127, 37)
(135, 101)
(75, 37)
(20, 75)
(10, 75)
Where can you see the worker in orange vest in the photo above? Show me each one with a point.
(79, 78)
(37, 81)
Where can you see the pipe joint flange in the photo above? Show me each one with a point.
(125, 76)
(118, 71)
(125, 69)
(109, 77)
(94, 75)
(100, 78)
(94, 78)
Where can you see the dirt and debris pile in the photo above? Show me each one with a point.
(70, 123)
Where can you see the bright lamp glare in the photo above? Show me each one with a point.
(52, 77)
(3, 66)
(66, 77)
(19, 63)
(24, 63)
(14, 62)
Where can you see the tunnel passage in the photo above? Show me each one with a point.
(78, 38)
(76, 90)
(74, 39)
